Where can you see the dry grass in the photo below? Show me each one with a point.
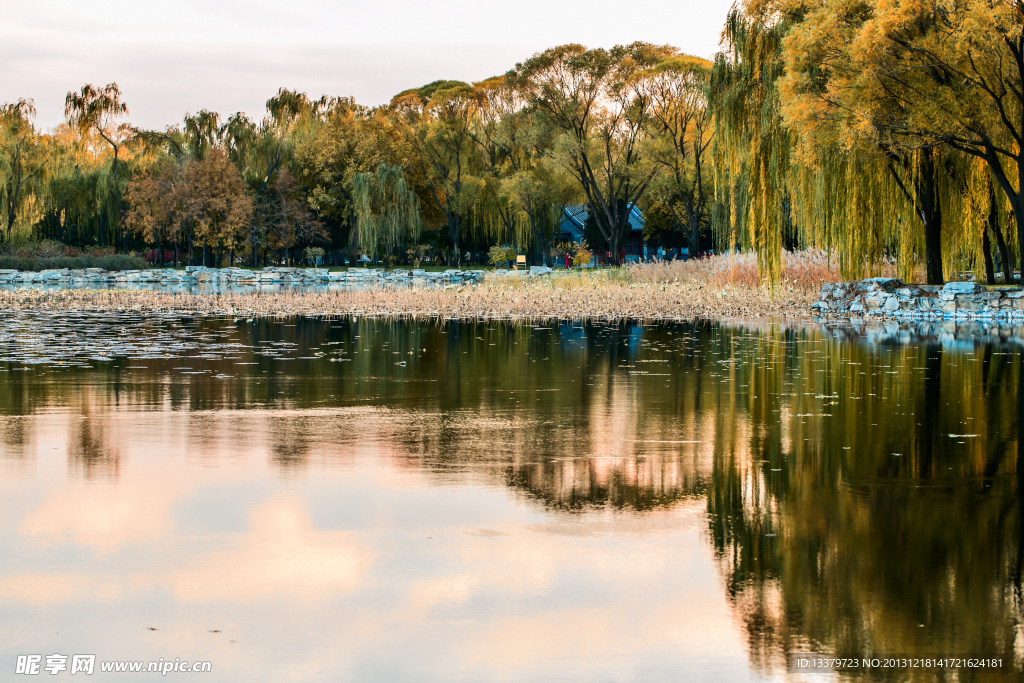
(605, 295)
(803, 270)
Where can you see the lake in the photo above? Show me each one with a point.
(362, 500)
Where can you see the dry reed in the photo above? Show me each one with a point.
(804, 270)
(604, 295)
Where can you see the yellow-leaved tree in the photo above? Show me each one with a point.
(932, 84)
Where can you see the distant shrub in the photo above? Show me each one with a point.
(583, 255)
(313, 255)
(500, 254)
(104, 261)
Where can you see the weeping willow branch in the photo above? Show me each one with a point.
(387, 211)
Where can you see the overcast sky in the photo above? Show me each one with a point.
(179, 56)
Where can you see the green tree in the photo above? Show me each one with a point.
(387, 211)
(526, 188)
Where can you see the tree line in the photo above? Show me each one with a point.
(877, 131)
(451, 166)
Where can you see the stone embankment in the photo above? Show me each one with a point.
(890, 297)
(242, 276)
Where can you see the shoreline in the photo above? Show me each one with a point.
(583, 300)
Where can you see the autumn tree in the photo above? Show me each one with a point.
(780, 183)
(915, 78)
(23, 157)
(197, 201)
(602, 124)
(682, 133)
(288, 217)
(437, 121)
(155, 205)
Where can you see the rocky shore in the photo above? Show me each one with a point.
(890, 297)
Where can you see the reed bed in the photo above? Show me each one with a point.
(803, 270)
(605, 295)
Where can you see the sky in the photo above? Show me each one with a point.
(179, 56)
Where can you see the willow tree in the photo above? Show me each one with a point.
(23, 157)
(75, 197)
(202, 132)
(100, 110)
(387, 210)
(682, 133)
(917, 77)
(601, 124)
(752, 145)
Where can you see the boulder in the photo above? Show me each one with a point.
(962, 288)
(883, 284)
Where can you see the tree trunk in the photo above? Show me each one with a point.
(986, 249)
(12, 209)
(455, 233)
(353, 246)
(1018, 215)
(931, 217)
(616, 246)
(1004, 250)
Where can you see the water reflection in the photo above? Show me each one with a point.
(565, 502)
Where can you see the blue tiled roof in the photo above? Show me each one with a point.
(575, 216)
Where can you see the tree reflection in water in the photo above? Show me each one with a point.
(862, 485)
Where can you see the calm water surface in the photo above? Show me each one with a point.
(312, 500)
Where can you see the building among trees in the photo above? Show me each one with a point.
(574, 224)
